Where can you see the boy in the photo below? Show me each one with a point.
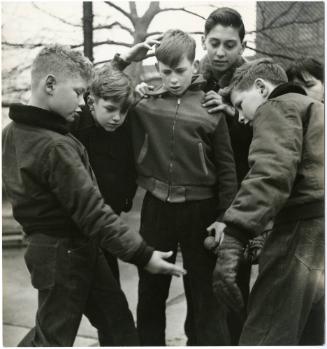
(185, 163)
(285, 183)
(55, 198)
(102, 129)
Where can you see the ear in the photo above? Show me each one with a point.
(90, 102)
(196, 66)
(243, 47)
(50, 84)
(203, 41)
(262, 87)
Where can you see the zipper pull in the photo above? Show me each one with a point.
(178, 101)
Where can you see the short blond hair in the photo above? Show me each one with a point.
(60, 60)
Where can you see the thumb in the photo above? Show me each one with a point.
(165, 255)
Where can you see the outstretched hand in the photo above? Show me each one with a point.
(158, 265)
(139, 51)
(142, 89)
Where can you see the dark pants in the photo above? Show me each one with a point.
(286, 305)
(73, 278)
(164, 226)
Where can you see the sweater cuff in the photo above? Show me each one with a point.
(142, 256)
(118, 63)
(240, 234)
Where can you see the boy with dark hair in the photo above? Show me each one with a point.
(102, 129)
(55, 198)
(308, 73)
(285, 183)
(185, 163)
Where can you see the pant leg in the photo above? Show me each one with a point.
(153, 290)
(61, 272)
(107, 308)
(209, 318)
(289, 288)
(113, 264)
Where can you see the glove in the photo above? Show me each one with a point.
(230, 256)
(254, 247)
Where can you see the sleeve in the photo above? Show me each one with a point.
(275, 154)
(118, 63)
(71, 182)
(225, 166)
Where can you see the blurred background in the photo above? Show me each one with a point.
(283, 30)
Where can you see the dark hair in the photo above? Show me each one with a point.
(110, 83)
(226, 17)
(245, 76)
(174, 44)
(309, 65)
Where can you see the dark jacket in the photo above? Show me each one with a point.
(240, 134)
(111, 158)
(52, 188)
(286, 178)
(182, 152)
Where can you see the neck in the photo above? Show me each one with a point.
(38, 102)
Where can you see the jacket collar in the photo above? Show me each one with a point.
(286, 88)
(196, 84)
(224, 80)
(33, 116)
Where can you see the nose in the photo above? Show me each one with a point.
(173, 79)
(220, 52)
(116, 117)
(81, 101)
(241, 118)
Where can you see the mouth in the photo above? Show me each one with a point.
(220, 62)
(175, 88)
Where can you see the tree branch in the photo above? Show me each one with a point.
(281, 15)
(111, 42)
(159, 33)
(270, 54)
(132, 7)
(56, 17)
(24, 45)
(126, 14)
(181, 9)
(110, 26)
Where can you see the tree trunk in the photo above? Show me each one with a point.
(88, 29)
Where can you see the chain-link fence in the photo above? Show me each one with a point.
(287, 30)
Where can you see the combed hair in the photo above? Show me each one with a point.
(60, 60)
(309, 65)
(245, 76)
(227, 17)
(110, 83)
(173, 46)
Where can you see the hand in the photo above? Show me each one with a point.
(226, 290)
(254, 247)
(158, 265)
(215, 102)
(143, 89)
(216, 236)
(140, 50)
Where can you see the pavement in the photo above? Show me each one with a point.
(20, 298)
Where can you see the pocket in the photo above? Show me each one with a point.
(40, 260)
(143, 150)
(202, 158)
(311, 244)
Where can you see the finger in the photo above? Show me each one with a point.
(165, 255)
(150, 87)
(212, 102)
(209, 97)
(221, 107)
(173, 269)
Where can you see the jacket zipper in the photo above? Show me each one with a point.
(172, 149)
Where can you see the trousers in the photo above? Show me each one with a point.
(73, 278)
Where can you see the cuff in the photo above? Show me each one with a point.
(142, 255)
(118, 63)
(239, 234)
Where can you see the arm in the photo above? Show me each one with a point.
(274, 156)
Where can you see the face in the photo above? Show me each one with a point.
(247, 102)
(107, 114)
(67, 97)
(177, 79)
(224, 47)
(313, 87)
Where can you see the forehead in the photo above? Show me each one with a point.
(183, 63)
(237, 95)
(75, 81)
(108, 102)
(222, 33)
